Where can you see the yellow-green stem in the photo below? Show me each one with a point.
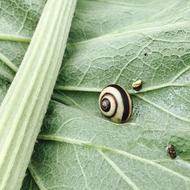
(25, 104)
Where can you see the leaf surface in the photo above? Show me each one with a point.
(114, 42)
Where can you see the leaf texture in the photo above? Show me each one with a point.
(116, 42)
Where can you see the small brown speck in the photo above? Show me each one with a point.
(171, 151)
(137, 85)
(145, 54)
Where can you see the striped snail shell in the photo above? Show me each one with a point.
(115, 103)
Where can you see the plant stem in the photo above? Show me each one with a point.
(26, 101)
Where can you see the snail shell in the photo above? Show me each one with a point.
(137, 85)
(115, 103)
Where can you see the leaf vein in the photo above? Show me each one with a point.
(14, 38)
(36, 178)
(114, 150)
(119, 171)
(163, 109)
(7, 62)
(83, 173)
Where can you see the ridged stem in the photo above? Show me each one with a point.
(25, 104)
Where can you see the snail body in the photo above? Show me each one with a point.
(115, 103)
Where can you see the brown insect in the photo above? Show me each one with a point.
(171, 151)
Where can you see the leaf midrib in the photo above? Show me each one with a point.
(14, 38)
(85, 89)
(102, 148)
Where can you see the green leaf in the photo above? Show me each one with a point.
(119, 42)
(29, 183)
(103, 155)
(80, 149)
(18, 21)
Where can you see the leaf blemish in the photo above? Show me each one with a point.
(145, 54)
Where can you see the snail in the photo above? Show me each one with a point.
(115, 103)
(137, 85)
